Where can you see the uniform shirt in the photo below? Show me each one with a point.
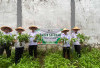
(17, 44)
(66, 43)
(74, 35)
(33, 34)
(7, 33)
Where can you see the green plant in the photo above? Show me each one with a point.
(73, 40)
(90, 60)
(27, 63)
(52, 58)
(38, 38)
(5, 62)
(1, 39)
(62, 40)
(23, 38)
(57, 61)
(26, 37)
(9, 39)
(83, 38)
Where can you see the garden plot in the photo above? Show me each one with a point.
(52, 58)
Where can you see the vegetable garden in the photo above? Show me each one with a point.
(52, 58)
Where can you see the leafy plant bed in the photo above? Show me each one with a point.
(90, 58)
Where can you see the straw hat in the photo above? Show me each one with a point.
(3, 28)
(65, 29)
(19, 28)
(76, 28)
(35, 27)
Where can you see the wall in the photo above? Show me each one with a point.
(88, 18)
(8, 13)
(46, 14)
(49, 14)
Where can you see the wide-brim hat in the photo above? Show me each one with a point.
(33, 26)
(76, 28)
(65, 29)
(19, 28)
(3, 28)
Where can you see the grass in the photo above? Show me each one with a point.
(52, 58)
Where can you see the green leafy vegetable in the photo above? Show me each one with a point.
(9, 39)
(73, 40)
(52, 58)
(1, 39)
(83, 38)
(23, 38)
(62, 40)
(38, 38)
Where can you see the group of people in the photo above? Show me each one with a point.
(76, 44)
(19, 47)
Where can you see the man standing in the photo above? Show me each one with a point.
(33, 43)
(6, 31)
(76, 44)
(19, 46)
(66, 46)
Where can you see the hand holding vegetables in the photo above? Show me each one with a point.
(23, 38)
(14, 41)
(38, 37)
(73, 40)
(9, 39)
(62, 40)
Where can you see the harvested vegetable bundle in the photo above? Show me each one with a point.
(23, 38)
(83, 38)
(62, 40)
(73, 40)
(1, 39)
(26, 37)
(38, 38)
(9, 39)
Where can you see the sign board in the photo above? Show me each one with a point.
(50, 36)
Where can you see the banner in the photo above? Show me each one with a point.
(50, 36)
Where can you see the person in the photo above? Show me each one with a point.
(19, 46)
(66, 46)
(33, 43)
(6, 31)
(76, 44)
